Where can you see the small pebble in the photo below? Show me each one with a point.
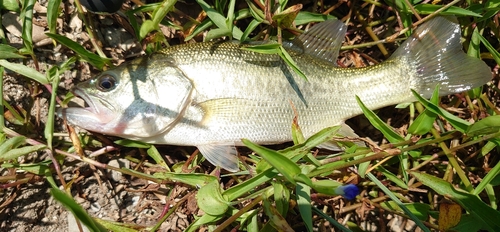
(95, 207)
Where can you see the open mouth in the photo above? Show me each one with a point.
(95, 111)
(90, 105)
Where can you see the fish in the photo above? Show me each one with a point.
(213, 94)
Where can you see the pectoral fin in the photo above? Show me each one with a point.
(224, 156)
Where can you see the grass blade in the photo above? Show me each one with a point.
(304, 203)
(52, 14)
(25, 71)
(49, 126)
(27, 18)
(459, 124)
(77, 210)
(331, 220)
(482, 212)
(92, 58)
(398, 202)
(285, 166)
(386, 130)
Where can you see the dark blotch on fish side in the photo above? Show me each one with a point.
(102, 6)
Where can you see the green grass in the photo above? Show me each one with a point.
(442, 156)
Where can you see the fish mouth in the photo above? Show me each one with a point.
(92, 106)
(98, 112)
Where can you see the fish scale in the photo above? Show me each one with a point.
(213, 94)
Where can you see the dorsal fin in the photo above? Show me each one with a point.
(323, 40)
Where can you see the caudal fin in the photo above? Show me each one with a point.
(436, 52)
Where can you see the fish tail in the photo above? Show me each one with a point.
(435, 52)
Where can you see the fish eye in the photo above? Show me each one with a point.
(106, 83)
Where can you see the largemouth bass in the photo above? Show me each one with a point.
(213, 94)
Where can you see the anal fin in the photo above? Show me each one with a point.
(224, 156)
(344, 131)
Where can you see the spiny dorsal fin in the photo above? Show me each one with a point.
(323, 40)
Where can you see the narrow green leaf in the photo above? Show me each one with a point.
(203, 26)
(18, 119)
(244, 187)
(395, 179)
(488, 125)
(468, 223)
(289, 60)
(242, 14)
(230, 14)
(475, 41)
(217, 33)
(12, 5)
(452, 10)
(204, 220)
(118, 226)
(386, 130)
(18, 152)
(12, 143)
(132, 16)
(326, 186)
(2, 118)
(483, 213)
(275, 218)
(153, 153)
(161, 11)
(459, 124)
(41, 168)
(25, 71)
(322, 136)
(92, 58)
(158, 15)
(251, 27)
(297, 135)
(49, 126)
(77, 210)
(8, 52)
(255, 11)
(305, 17)
(218, 19)
(420, 210)
(132, 143)
(285, 166)
(331, 220)
(487, 179)
(295, 153)
(424, 122)
(27, 19)
(193, 179)
(53, 9)
(266, 48)
(237, 33)
(281, 197)
(397, 201)
(491, 5)
(491, 49)
(304, 203)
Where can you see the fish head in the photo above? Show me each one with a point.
(140, 99)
